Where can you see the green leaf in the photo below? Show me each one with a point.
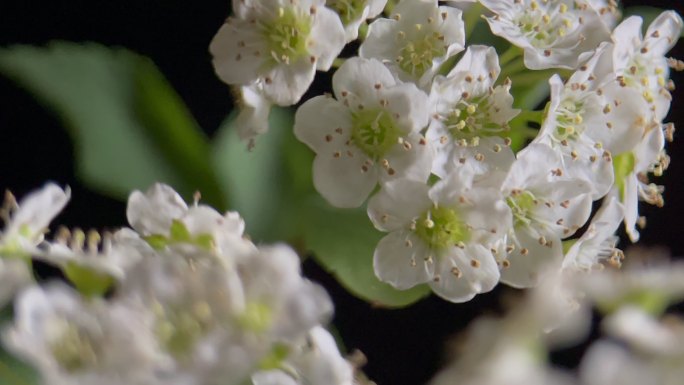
(128, 126)
(15, 372)
(343, 242)
(266, 183)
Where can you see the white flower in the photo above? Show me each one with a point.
(500, 352)
(471, 116)
(631, 181)
(415, 42)
(651, 287)
(547, 206)
(27, 222)
(553, 33)
(608, 10)
(607, 363)
(441, 235)
(194, 306)
(315, 361)
(72, 341)
(598, 243)
(14, 275)
(163, 219)
(369, 134)
(354, 12)
(591, 117)
(279, 44)
(640, 63)
(252, 120)
(213, 321)
(646, 333)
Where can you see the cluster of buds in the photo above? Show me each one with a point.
(432, 137)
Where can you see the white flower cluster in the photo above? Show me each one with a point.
(642, 343)
(182, 298)
(432, 139)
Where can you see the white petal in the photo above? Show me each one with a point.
(234, 49)
(320, 134)
(525, 270)
(286, 84)
(341, 180)
(400, 263)
(153, 212)
(477, 268)
(398, 203)
(327, 38)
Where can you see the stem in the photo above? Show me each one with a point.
(337, 63)
(511, 53)
(513, 67)
(531, 116)
(363, 31)
(471, 18)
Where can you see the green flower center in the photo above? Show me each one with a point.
(257, 317)
(417, 55)
(374, 132)
(74, 350)
(178, 331)
(348, 10)
(543, 27)
(287, 35)
(569, 119)
(442, 227)
(522, 204)
(472, 119)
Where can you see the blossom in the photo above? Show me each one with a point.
(27, 222)
(440, 235)
(25, 226)
(631, 182)
(591, 117)
(315, 361)
(554, 33)
(415, 42)
(354, 12)
(471, 115)
(73, 341)
(277, 44)
(162, 218)
(640, 63)
(371, 132)
(547, 205)
(599, 240)
(252, 120)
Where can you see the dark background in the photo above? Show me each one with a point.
(403, 346)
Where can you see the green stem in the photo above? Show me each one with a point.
(513, 67)
(531, 116)
(471, 18)
(520, 79)
(337, 63)
(363, 31)
(511, 53)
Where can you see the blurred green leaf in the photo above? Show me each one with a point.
(128, 126)
(15, 372)
(343, 242)
(12, 370)
(264, 180)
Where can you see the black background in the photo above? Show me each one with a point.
(403, 346)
